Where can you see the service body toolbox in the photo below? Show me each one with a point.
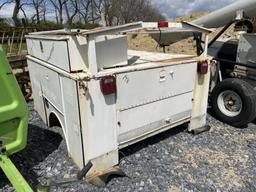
(106, 97)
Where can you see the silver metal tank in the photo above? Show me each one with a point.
(225, 15)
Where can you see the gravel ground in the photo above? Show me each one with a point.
(222, 159)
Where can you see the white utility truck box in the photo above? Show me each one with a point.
(106, 97)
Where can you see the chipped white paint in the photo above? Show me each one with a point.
(154, 91)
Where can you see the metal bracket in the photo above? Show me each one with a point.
(240, 15)
(110, 30)
(102, 179)
(201, 130)
(196, 28)
(47, 183)
(198, 39)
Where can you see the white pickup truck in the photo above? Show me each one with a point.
(106, 97)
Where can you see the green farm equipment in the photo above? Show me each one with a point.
(13, 124)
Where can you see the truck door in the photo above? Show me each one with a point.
(150, 99)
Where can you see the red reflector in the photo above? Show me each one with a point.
(108, 85)
(203, 67)
(162, 24)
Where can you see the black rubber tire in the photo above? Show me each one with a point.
(248, 97)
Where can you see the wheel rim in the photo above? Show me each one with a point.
(229, 103)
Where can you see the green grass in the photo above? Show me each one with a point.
(15, 48)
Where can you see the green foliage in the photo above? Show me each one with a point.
(79, 25)
(45, 25)
(3, 23)
(48, 25)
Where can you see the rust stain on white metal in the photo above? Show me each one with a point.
(154, 92)
(187, 59)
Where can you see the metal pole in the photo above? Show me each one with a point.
(220, 33)
(227, 14)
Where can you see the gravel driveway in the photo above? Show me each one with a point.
(222, 159)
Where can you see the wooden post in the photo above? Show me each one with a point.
(21, 39)
(10, 51)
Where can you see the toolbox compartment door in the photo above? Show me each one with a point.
(54, 52)
(152, 98)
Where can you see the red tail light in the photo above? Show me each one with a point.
(162, 24)
(108, 85)
(203, 67)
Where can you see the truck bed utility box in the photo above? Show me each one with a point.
(106, 97)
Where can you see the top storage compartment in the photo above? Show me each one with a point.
(70, 52)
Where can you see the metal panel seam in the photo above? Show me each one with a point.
(153, 101)
(69, 63)
(80, 122)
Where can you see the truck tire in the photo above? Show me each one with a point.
(234, 102)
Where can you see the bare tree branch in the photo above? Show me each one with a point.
(59, 6)
(5, 3)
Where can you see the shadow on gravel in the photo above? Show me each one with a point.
(41, 143)
(127, 151)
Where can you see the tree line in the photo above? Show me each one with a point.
(68, 12)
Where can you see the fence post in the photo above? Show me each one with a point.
(3, 38)
(13, 33)
(21, 39)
